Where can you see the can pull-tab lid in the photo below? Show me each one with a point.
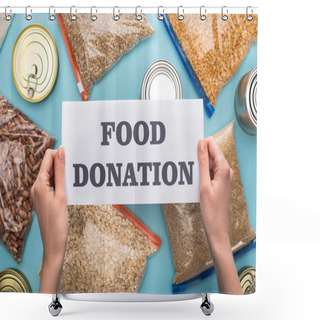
(33, 75)
(34, 63)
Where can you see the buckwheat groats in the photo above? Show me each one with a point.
(107, 250)
(95, 46)
(22, 148)
(189, 245)
(240, 229)
(214, 48)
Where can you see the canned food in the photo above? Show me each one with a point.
(161, 81)
(245, 102)
(247, 277)
(13, 281)
(34, 63)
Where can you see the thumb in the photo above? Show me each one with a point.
(203, 158)
(59, 164)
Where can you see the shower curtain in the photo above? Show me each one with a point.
(128, 96)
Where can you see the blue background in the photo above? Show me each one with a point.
(123, 81)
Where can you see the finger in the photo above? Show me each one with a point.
(210, 163)
(214, 150)
(46, 166)
(203, 158)
(59, 164)
(32, 193)
(219, 163)
(52, 182)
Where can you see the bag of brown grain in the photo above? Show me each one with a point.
(212, 49)
(94, 47)
(107, 250)
(22, 148)
(189, 245)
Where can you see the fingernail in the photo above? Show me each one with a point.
(61, 153)
(202, 146)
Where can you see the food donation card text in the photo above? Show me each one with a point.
(132, 151)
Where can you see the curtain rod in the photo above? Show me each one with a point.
(128, 9)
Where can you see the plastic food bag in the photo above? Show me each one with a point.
(94, 47)
(107, 250)
(189, 244)
(212, 49)
(22, 148)
(240, 229)
(4, 26)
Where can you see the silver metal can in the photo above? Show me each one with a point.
(245, 102)
(161, 82)
(34, 63)
(247, 277)
(12, 280)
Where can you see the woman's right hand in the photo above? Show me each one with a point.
(215, 189)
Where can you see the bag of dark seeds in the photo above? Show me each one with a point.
(94, 47)
(22, 148)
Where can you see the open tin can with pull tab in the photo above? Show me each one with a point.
(34, 63)
(247, 277)
(161, 81)
(245, 102)
(12, 280)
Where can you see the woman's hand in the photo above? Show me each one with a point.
(52, 213)
(215, 189)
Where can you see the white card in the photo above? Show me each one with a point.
(132, 151)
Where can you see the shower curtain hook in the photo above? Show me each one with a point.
(138, 16)
(51, 16)
(72, 15)
(28, 16)
(93, 16)
(203, 13)
(249, 15)
(160, 15)
(224, 13)
(8, 16)
(180, 14)
(116, 17)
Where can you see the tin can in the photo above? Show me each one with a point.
(161, 82)
(12, 280)
(245, 102)
(34, 63)
(247, 277)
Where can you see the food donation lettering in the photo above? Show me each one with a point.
(133, 174)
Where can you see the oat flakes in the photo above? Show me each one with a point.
(106, 252)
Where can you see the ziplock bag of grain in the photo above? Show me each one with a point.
(189, 244)
(4, 26)
(107, 250)
(212, 49)
(94, 47)
(22, 148)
